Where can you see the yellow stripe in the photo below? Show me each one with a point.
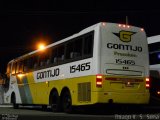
(31, 83)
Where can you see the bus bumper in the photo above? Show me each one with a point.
(124, 98)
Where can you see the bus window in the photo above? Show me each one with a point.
(35, 62)
(88, 45)
(25, 68)
(20, 67)
(53, 55)
(48, 57)
(30, 63)
(78, 48)
(14, 68)
(17, 67)
(74, 49)
(44, 58)
(60, 53)
(8, 68)
(69, 50)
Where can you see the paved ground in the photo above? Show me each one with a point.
(36, 113)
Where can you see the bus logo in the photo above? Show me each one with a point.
(124, 36)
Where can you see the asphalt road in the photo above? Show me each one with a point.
(36, 113)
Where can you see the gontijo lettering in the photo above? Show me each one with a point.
(48, 73)
(124, 47)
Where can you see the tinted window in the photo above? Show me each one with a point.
(14, 68)
(88, 45)
(54, 55)
(8, 68)
(74, 48)
(60, 53)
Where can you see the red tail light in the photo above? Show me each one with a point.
(147, 83)
(99, 80)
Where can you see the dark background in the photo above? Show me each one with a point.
(25, 23)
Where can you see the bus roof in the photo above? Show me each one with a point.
(88, 29)
(153, 39)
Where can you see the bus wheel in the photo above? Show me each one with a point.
(67, 102)
(15, 106)
(55, 103)
(44, 107)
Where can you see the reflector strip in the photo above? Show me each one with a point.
(124, 79)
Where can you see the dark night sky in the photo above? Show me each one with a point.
(22, 24)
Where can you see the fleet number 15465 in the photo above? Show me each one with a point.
(125, 62)
(80, 67)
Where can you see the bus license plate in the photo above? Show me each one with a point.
(129, 84)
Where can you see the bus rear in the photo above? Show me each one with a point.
(124, 65)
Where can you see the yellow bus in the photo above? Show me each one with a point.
(104, 63)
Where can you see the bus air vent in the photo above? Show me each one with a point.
(84, 92)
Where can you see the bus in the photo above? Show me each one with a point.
(154, 55)
(1, 87)
(104, 63)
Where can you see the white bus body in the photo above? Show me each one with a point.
(115, 70)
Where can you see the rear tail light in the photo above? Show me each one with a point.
(99, 80)
(147, 83)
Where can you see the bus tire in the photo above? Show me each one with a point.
(44, 107)
(13, 100)
(55, 102)
(67, 102)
